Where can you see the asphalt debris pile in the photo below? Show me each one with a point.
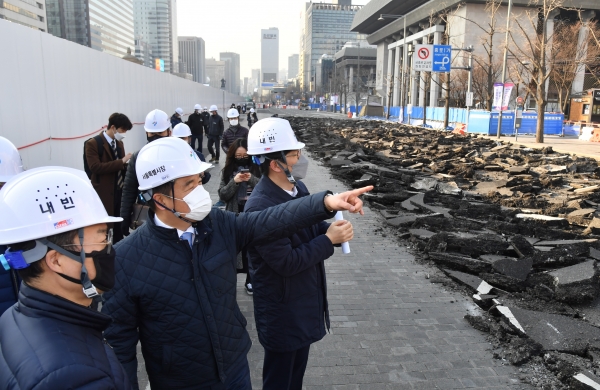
(518, 228)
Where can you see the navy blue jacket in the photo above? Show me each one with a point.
(180, 302)
(175, 120)
(48, 343)
(288, 277)
(9, 286)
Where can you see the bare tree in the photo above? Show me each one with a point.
(530, 48)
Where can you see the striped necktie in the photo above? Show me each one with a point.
(113, 144)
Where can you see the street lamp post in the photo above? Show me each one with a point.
(504, 69)
(404, 60)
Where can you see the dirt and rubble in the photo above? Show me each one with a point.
(516, 228)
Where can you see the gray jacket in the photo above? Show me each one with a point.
(228, 192)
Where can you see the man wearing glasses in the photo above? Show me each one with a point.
(55, 227)
(288, 274)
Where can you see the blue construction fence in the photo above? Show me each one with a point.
(487, 122)
(329, 107)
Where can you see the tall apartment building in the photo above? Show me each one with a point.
(269, 55)
(292, 66)
(191, 52)
(30, 13)
(232, 71)
(104, 25)
(155, 27)
(325, 28)
(215, 71)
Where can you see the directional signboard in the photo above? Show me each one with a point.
(423, 58)
(442, 54)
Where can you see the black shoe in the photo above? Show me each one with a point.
(249, 290)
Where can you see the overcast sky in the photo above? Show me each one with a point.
(234, 25)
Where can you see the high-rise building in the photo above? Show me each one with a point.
(215, 71)
(325, 28)
(256, 77)
(292, 66)
(155, 25)
(191, 52)
(26, 12)
(232, 71)
(104, 25)
(269, 55)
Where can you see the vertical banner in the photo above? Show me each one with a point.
(497, 104)
(508, 87)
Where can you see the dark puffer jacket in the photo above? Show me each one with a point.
(288, 277)
(182, 301)
(48, 342)
(231, 134)
(9, 286)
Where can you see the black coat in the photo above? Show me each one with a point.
(205, 117)
(180, 302)
(196, 123)
(48, 342)
(215, 126)
(288, 277)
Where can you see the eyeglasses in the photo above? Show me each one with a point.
(297, 155)
(107, 240)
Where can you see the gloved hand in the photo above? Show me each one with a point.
(125, 227)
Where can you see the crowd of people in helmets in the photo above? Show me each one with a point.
(82, 281)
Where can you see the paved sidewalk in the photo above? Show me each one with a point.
(391, 328)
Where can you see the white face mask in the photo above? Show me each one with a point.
(119, 136)
(234, 122)
(199, 203)
(300, 168)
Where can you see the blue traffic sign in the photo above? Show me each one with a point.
(442, 54)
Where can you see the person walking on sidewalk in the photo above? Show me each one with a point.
(176, 117)
(55, 227)
(107, 161)
(239, 177)
(215, 134)
(252, 118)
(234, 131)
(288, 274)
(175, 284)
(196, 123)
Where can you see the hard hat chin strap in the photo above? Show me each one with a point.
(286, 169)
(175, 212)
(88, 288)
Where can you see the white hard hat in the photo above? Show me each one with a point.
(181, 130)
(197, 107)
(179, 110)
(165, 160)
(10, 160)
(232, 113)
(213, 108)
(45, 201)
(272, 135)
(252, 110)
(157, 121)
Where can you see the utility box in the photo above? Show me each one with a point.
(586, 108)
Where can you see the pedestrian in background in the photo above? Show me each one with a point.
(176, 118)
(196, 123)
(10, 165)
(238, 178)
(214, 134)
(107, 162)
(234, 131)
(157, 126)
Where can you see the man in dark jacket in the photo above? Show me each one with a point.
(176, 276)
(109, 167)
(157, 126)
(234, 131)
(196, 123)
(52, 338)
(288, 274)
(214, 134)
(10, 165)
(176, 117)
(205, 118)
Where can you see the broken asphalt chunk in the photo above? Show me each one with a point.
(577, 283)
(458, 262)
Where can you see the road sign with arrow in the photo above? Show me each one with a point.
(442, 55)
(423, 58)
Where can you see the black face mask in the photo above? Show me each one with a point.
(104, 262)
(154, 137)
(242, 161)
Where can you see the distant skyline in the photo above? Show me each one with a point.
(235, 26)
